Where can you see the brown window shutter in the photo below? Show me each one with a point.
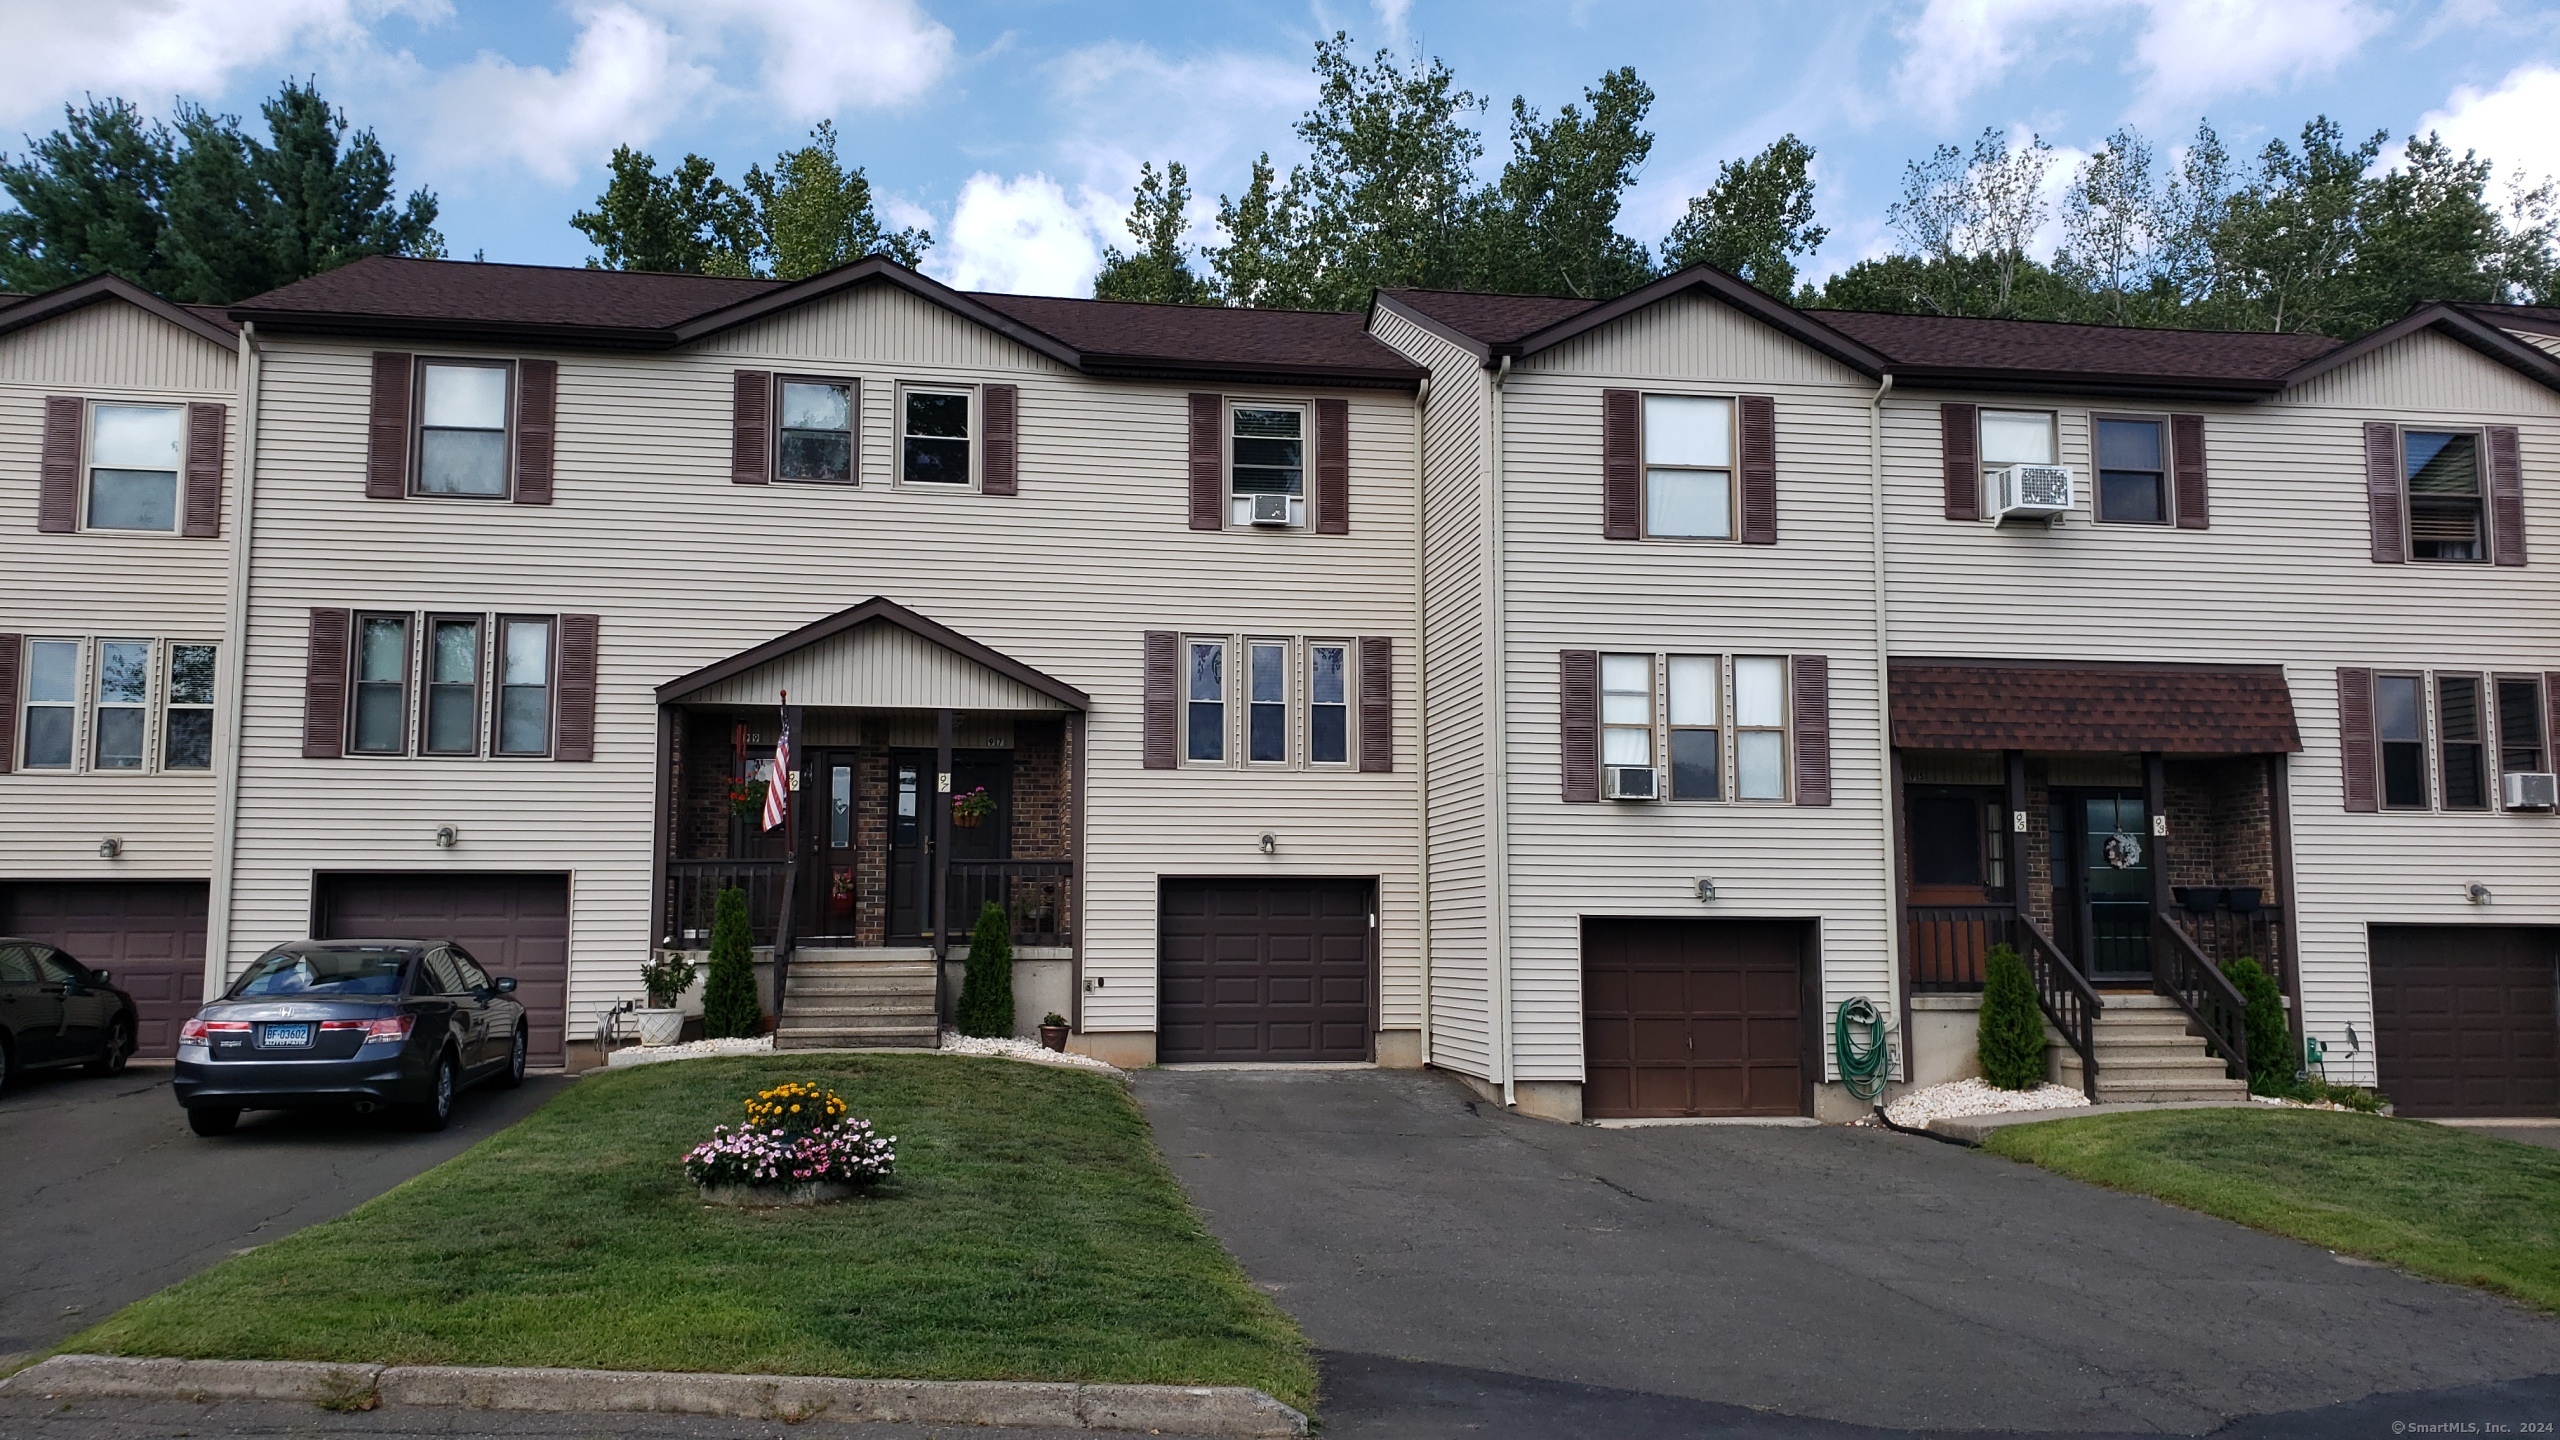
(2382, 494)
(999, 471)
(386, 450)
(1333, 467)
(2355, 739)
(1621, 467)
(202, 510)
(1960, 459)
(537, 419)
(1813, 729)
(1208, 463)
(58, 477)
(1377, 704)
(2551, 718)
(1578, 709)
(576, 738)
(2506, 496)
(324, 687)
(1159, 709)
(1757, 419)
(11, 646)
(751, 427)
(2186, 460)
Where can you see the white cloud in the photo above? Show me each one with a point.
(149, 51)
(816, 57)
(1392, 15)
(623, 81)
(1119, 105)
(1024, 236)
(2512, 126)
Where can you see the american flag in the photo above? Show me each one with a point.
(776, 805)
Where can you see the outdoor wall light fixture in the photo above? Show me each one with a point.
(110, 848)
(1270, 843)
(2478, 892)
(445, 837)
(1706, 889)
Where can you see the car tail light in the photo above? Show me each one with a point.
(194, 1030)
(394, 1027)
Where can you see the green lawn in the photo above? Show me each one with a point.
(2427, 1198)
(1032, 1233)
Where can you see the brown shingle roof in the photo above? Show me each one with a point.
(512, 299)
(2091, 707)
(1977, 348)
(1118, 335)
(1491, 319)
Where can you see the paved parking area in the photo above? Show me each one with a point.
(111, 1197)
(1468, 1272)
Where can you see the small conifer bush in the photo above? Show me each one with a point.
(2270, 1037)
(2010, 1039)
(729, 1005)
(986, 989)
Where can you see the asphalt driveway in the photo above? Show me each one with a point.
(110, 1197)
(1470, 1272)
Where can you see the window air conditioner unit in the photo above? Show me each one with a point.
(1633, 782)
(1270, 509)
(2532, 790)
(2031, 492)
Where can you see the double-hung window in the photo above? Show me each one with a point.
(1626, 710)
(817, 431)
(1266, 456)
(452, 725)
(1205, 702)
(1328, 703)
(53, 703)
(382, 686)
(2015, 437)
(1267, 706)
(2133, 476)
(462, 427)
(2462, 749)
(523, 723)
(187, 724)
(2520, 739)
(2400, 728)
(1759, 727)
(1688, 467)
(2445, 511)
(124, 700)
(133, 466)
(934, 431)
(1696, 739)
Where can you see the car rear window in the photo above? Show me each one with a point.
(325, 970)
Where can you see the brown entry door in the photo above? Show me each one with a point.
(514, 925)
(1697, 1017)
(1264, 970)
(912, 801)
(827, 899)
(2466, 1018)
(148, 935)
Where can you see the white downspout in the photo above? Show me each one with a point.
(235, 645)
(1422, 709)
(1884, 718)
(1497, 737)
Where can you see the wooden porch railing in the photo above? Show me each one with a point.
(2228, 935)
(2180, 971)
(2064, 995)
(1034, 894)
(693, 896)
(1943, 945)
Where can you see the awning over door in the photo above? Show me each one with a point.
(877, 655)
(2091, 707)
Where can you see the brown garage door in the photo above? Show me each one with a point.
(1695, 1017)
(1264, 970)
(147, 934)
(512, 924)
(2465, 1019)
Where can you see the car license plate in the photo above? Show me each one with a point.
(285, 1037)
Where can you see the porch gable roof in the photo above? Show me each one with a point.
(2088, 707)
(1015, 686)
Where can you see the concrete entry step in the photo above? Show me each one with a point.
(2146, 1054)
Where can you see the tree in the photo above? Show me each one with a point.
(1549, 226)
(812, 214)
(2268, 1034)
(1984, 207)
(2286, 237)
(986, 987)
(2009, 1030)
(730, 1009)
(687, 221)
(2111, 223)
(1755, 222)
(1160, 271)
(89, 198)
(1260, 263)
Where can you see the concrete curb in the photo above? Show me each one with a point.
(1219, 1410)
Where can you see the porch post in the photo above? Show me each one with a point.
(665, 776)
(2013, 770)
(2287, 929)
(942, 735)
(2155, 803)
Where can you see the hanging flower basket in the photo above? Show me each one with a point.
(967, 810)
(746, 798)
(798, 1147)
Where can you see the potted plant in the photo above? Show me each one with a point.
(800, 1146)
(970, 807)
(746, 798)
(1053, 1030)
(666, 977)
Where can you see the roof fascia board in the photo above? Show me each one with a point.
(2527, 360)
(1136, 367)
(878, 607)
(2128, 667)
(1784, 318)
(80, 294)
(846, 277)
(391, 327)
(2048, 382)
(1379, 300)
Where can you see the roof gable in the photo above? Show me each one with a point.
(2455, 323)
(103, 289)
(881, 655)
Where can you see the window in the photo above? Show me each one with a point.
(1328, 704)
(124, 692)
(1626, 710)
(523, 722)
(2016, 437)
(1688, 467)
(1697, 747)
(453, 686)
(2444, 495)
(133, 466)
(382, 685)
(1945, 835)
(462, 428)
(1759, 727)
(187, 730)
(839, 806)
(2133, 481)
(53, 699)
(817, 432)
(934, 436)
(1267, 707)
(2461, 743)
(1266, 455)
(1206, 707)
(2400, 725)
(2519, 725)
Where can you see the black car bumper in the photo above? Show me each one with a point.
(402, 1077)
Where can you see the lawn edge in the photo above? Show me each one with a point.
(1209, 1410)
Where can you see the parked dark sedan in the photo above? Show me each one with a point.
(55, 1012)
(372, 1024)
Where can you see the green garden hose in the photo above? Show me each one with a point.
(1858, 1037)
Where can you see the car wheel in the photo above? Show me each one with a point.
(209, 1121)
(437, 1112)
(119, 1049)
(513, 1075)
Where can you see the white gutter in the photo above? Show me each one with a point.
(234, 672)
(1498, 767)
(1884, 717)
(1422, 711)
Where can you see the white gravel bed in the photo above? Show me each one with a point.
(955, 1043)
(689, 1050)
(1977, 1097)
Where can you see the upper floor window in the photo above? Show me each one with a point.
(2400, 725)
(1688, 467)
(1266, 457)
(1759, 727)
(1328, 704)
(53, 699)
(1267, 708)
(1626, 710)
(2016, 437)
(1205, 702)
(133, 466)
(2462, 750)
(381, 686)
(817, 431)
(1697, 747)
(2445, 514)
(934, 433)
(187, 741)
(2133, 474)
(462, 428)
(124, 694)
(2520, 742)
(453, 686)
(524, 685)
(124, 688)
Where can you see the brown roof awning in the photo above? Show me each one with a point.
(2091, 707)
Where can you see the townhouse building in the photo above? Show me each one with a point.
(1589, 699)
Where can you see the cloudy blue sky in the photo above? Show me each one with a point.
(1013, 130)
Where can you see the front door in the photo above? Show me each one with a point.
(912, 798)
(2102, 882)
(827, 907)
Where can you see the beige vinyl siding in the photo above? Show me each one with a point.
(1811, 593)
(2284, 575)
(1457, 604)
(686, 568)
(114, 585)
(878, 666)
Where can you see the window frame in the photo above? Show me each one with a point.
(1287, 704)
(89, 467)
(356, 682)
(2480, 495)
(2498, 681)
(2425, 743)
(975, 440)
(1225, 728)
(73, 703)
(97, 705)
(498, 685)
(1652, 724)
(509, 429)
(1350, 704)
(1785, 728)
(2482, 740)
(1718, 728)
(170, 705)
(1232, 497)
(852, 385)
(2168, 471)
(481, 651)
(1732, 470)
(1984, 468)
